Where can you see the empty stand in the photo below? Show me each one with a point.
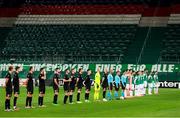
(91, 43)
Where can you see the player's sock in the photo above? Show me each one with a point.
(55, 99)
(87, 96)
(42, 99)
(39, 101)
(70, 98)
(6, 104)
(78, 97)
(30, 101)
(65, 99)
(108, 95)
(27, 101)
(104, 94)
(15, 101)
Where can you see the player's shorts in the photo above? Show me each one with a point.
(128, 86)
(42, 90)
(66, 88)
(56, 89)
(79, 86)
(145, 84)
(116, 87)
(110, 86)
(132, 87)
(72, 87)
(30, 90)
(88, 87)
(123, 86)
(8, 92)
(16, 90)
(105, 85)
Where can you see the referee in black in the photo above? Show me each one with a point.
(16, 87)
(56, 85)
(105, 84)
(41, 77)
(66, 86)
(8, 86)
(30, 88)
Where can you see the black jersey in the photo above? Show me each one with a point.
(16, 80)
(9, 83)
(30, 80)
(80, 82)
(41, 80)
(66, 77)
(105, 80)
(87, 80)
(73, 80)
(56, 77)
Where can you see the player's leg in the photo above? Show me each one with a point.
(7, 101)
(116, 91)
(109, 95)
(16, 95)
(87, 94)
(71, 95)
(65, 96)
(79, 95)
(56, 93)
(132, 90)
(104, 93)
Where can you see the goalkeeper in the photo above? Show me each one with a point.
(97, 85)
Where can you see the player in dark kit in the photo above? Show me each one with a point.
(42, 77)
(30, 88)
(66, 86)
(87, 84)
(8, 86)
(105, 84)
(79, 85)
(72, 85)
(16, 83)
(56, 85)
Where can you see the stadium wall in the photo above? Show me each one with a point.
(167, 72)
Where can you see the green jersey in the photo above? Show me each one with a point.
(156, 79)
(145, 77)
(150, 79)
(136, 80)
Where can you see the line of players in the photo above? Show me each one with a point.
(132, 84)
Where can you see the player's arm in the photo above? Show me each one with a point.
(55, 81)
(77, 80)
(6, 81)
(84, 81)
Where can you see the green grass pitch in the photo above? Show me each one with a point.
(166, 104)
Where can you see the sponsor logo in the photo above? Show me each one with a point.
(167, 84)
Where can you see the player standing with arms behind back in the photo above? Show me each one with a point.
(97, 84)
(42, 89)
(56, 85)
(16, 87)
(30, 88)
(8, 86)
